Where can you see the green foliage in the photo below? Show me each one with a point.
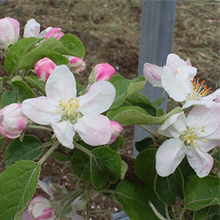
(133, 115)
(134, 198)
(61, 157)
(202, 192)
(73, 45)
(125, 88)
(141, 145)
(35, 82)
(29, 149)
(169, 188)
(16, 53)
(8, 97)
(17, 187)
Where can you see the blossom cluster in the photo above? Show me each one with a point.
(194, 135)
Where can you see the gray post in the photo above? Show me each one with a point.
(157, 27)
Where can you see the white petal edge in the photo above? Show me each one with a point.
(169, 156)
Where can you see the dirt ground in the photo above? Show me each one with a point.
(110, 32)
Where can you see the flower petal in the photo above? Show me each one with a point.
(40, 110)
(94, 129)
(174, 62)
(201, 116)
(153, 74)
(64, 132)
(61, 85)
(169, 156)
(200, 161)
(174, 126)
(98, 99)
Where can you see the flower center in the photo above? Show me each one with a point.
(190, 137)
(69, 110)
(199, 90)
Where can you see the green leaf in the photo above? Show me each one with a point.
(17, 187)
(2, 141)
(80, 165)
(29, 149)
(143, 144)
(124, 168)
(156, 103)
(50, 44)
(105, 167)
(24, 91)
(57, 58)
(118, 143)
(125, 88)
(217, 160)
(144, 166)
(134, 198)
(35, 82)
(160, 112)
(73, 45)
(208, 213)
(170, 187)
(133, 115)
(8, 97)
(16, 53)
(202, 192)
(61, 157)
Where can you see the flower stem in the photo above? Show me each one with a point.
(156, 212)
(49, 152)
(83, 149)
(39, 127)
(167, 212)
(150, 131)
(181, 215)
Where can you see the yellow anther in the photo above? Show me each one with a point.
(58, 110)
(204, 140)
(70, 100)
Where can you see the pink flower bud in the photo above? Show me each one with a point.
(104, 71)
(12, 121)
(116, 129)
(76, 64)
(9, 31)
(31, 29)
(44, 67)
(39, 208)
(54, 32)
(153, 74)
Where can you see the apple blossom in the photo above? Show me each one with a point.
(31, 29)
(193, 136)
(9, 32)
(76, 64)
(54, 32)
(116, 129)
(68, 114)
(39, 208)
(12, 121)
(153, 73)
(44, 67)
(102, 71)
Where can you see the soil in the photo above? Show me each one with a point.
(110, 32)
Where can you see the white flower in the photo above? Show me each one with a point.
(193, 136)
(68, 114)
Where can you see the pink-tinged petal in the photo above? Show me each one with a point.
(176, 89)
(64, 132)
(174, 126)
(61, 85)
(98, 99)
(26, 216)
(31, 29)
(104, 71)
(76, 64)
(169, 156)
(200, 161)
(44, 32)
(40, 110)
(94, 129)
(201, 116)
(153, 74)
(188, 62)
(190, 103)
(116, 130)
(186, 74)
(212, 96)
(54, 32)
(174, 62)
